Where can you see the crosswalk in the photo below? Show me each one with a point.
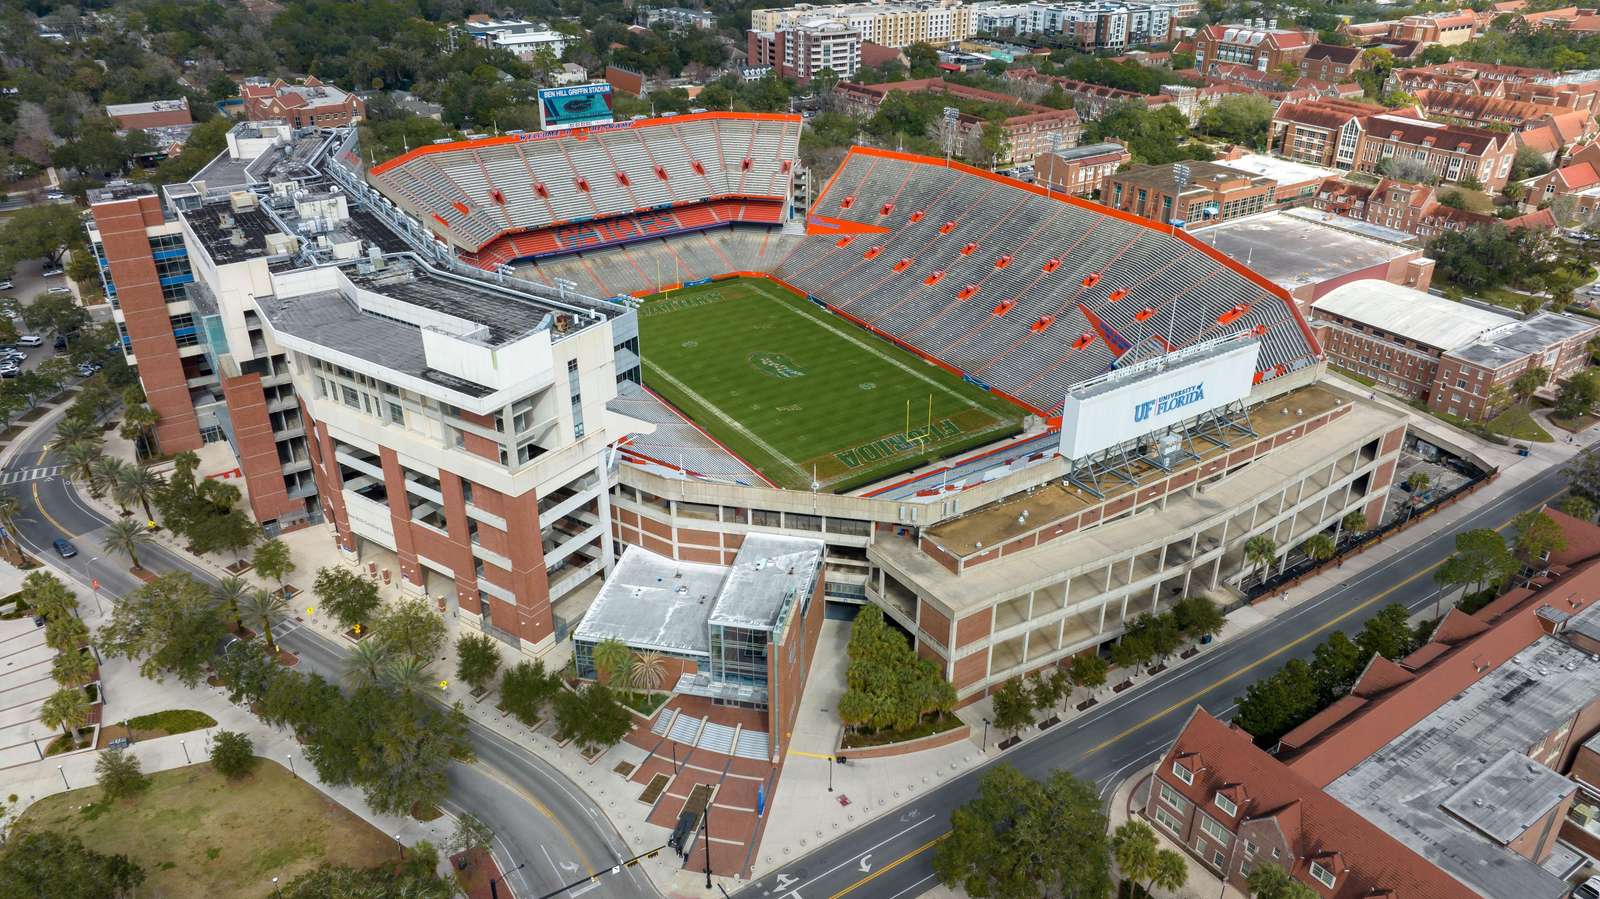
(20, 475)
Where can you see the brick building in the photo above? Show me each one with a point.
(155, 114)
(1323, 131)
(1331, 63)
(1213, 191)
(1447, 29)
(310, 102)
(803, 49)
(1450, 152)
(1458, 358)
(1265, 49)
(1032, 130)
(1080, 171)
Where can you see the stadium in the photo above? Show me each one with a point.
(930, 365)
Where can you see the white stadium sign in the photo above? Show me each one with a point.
(1127, 405)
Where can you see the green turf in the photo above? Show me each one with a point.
(788, 386)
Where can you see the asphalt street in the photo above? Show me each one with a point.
(549, 833)
(890, 858)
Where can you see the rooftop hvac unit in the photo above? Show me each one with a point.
(241, 200)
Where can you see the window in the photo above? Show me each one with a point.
(1214, 830)
(351, 398)
(1249, 849)
(1323, 875)
(1165, 819)
(396, 414)
(1227, 805)
(577, 398)
(1182, 773)
(1171, 797)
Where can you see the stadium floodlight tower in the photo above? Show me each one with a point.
(1147, 415)
(952, 116)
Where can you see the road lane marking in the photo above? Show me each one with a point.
(531, 800)
(891, 866)
(39, 504)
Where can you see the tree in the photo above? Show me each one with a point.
(1260, 551)
(233, 754)
(1162, 634)
(77, 462)
(470, 834)
(272, 561)
(73, 669)
(1198, 618)
(1538, 536)
(1387, 634)
(1132, 650)
(414, 879)
(1088, 671)
(10, 508)
(261, 607)
(47, 596)
(230, 594)
(43, 232)
(138, 424)
(1141, 859)
(1270, 881)
(410, 627)
(1319, 547)
(120, 774)
(1273, 706)
(1354, 522)
(74, 429)
(411, 750)
(171, 623)
(50, 863)
(1013, 707)
(611, 658)
(1583, 475)
(1022, 839)
(126, 537)
(1528, 383)
(649, 671)
(1579, 507)
(137, 484)
(406, 675)
(525, 688)
(1335, 665)
(104, 475)
(1481, 557)
(1045, 689)
(1577, 395)
(65, 634)
(592, 717)
(477, 660)
(68, 709)
(365, 665)
(1239, 119)
(248, 673)
(346, 595)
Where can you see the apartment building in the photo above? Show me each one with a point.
(309, 103)
(1330, 63)
(887, 24)
(1080, 171)
(677, 17)
(1323, 131)
(1451, 152)
(803, 49)
(1033, 130)
(1266, 49)
(1578, 90)
(1092, 26)
(1460, 359)
(1089, 101)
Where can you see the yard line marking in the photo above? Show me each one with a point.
(731, 422)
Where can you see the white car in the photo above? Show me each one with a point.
(6, 284)
(30, 340)
(53, 272)
(59, 290)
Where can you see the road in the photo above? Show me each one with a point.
(890, 858)
(543, 822)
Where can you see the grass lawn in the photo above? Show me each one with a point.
(794, 390)
(1574, 424)
(197, 835)
(1517, 424)
(1474, 200)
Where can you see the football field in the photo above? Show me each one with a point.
(794, 389)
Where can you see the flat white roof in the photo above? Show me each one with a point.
(1283, 171)
(1413, 314)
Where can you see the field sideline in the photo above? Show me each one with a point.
(795, 390)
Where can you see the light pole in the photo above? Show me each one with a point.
(831, 763)
(63, 773)
(186, 759)
(706, 821)
(292, 773)
(986, 735)
(275, 886)
(494, 885)
(400, 846)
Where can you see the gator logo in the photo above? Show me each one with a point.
(776, 365)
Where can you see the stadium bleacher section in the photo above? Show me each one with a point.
(500, 199)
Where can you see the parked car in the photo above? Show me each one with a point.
(1589, 889)
(87, 369)
(61, 342)
(55, 195)
(5, 284)
(59, 290)
(64, 548)
(53, 272)
(30, 340)
(10, 371)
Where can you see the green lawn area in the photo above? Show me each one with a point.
(1474, 200)
(198, 836)
(794, 390)
(1517, 424)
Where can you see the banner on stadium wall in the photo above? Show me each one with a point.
(577, 106)
(697, 283)
(975, 382)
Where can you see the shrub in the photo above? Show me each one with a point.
(233, 755)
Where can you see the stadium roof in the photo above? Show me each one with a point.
(1412, 314)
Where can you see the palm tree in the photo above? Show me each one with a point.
(366, 665)
(611, 659)
(66, 708)
(1319, 547)
(137, 423)
(126, 537)
(1354, 522)
(229, 593)
(78, 461)
(73, 669)
(137, 483)
(261, 606)
(10, 508)
(74, 429)
(1260, 551)
(104, 475)
(406, 674)
(649, 670)
(65, 634)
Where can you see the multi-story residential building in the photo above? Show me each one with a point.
(1533, 121)
(1579, 90)
(1412, 208)
(1266, 49)
(1080, 171)
(308, 104)
(1093, 26)
(887, 24)
(1324, 131)
(1458, 358)
(803, 49)
(677, 17)
(519, 36)
(1033, 130)
(1450, 152)
(1089, 101)
(1446, 29)
(1330, 63)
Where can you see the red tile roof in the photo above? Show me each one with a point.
(1366, 860)
(1380, 677)
(1578, 176)
(1583, 538)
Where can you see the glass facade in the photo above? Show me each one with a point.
(739, 655)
